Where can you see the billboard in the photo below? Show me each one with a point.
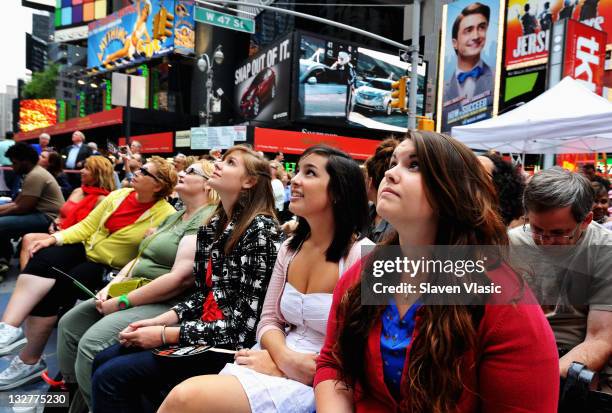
(520, 86)
(343, 84)
(469, 63)
(585, 55)
(37, 113)
(528, 24)
(262, 82)
(184, 27)
(139, 32)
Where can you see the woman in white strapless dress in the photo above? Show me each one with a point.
(328, 194)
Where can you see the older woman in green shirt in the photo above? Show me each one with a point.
(165, 257)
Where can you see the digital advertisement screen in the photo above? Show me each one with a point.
(36, 114)
(139, 32)
(470, 62)
(344, 84)
(528, 23)
(262, 83)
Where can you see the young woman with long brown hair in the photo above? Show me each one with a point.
(409, 357)
(235, 255)
(329, 198)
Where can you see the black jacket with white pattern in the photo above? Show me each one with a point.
(239, 284)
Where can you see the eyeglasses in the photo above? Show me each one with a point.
(192, 171)
(143, 171)
(537, 235)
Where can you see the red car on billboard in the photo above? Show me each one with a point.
(261, 91)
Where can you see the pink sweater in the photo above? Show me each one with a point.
(271, 317)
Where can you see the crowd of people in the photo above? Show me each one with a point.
(227, 284)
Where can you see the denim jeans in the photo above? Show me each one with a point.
(15, 226)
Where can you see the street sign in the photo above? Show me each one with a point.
(208, 16)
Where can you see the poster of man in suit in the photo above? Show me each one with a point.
(469, 63)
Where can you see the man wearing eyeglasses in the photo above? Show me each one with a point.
(570, 268)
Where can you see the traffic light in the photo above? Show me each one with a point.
(163, 24)
(426, 124)
(398, 94)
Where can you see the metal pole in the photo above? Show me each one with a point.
(128, 115)
(414, 73)
(222, 3)
(209, 82)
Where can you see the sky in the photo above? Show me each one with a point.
(15, 21)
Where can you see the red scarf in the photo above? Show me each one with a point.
(84, 206)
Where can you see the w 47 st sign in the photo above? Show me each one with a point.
(208, 16)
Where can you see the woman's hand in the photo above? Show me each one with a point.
(300, 366)
(132, 327)
(144, 337)
(39, 245)
(107, 307)
(103, 293)
(258, 360)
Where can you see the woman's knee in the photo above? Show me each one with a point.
(203, 394)
(185, 396)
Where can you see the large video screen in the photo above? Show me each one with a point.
(344, 84)
(36, 114)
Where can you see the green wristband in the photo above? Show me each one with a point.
(123, 303)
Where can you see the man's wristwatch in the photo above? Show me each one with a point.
(123, 302)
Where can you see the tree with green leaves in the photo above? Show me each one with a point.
(43, 84)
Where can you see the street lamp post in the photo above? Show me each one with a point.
(206, 66)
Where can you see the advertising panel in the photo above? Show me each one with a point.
(585, 55)
(37, 113)
(469, 63)
(221, 137)
(529, 22)
(522, 85)
(290, 142)
(139, 32)
(262, 82)
(184, 27)
(343, 84)
(153, 143)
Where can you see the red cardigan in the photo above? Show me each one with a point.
(516, 366)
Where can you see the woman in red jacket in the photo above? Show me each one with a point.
(411, 357)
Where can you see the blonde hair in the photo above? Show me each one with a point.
(166, 174)
(208, 168)
(102, 171)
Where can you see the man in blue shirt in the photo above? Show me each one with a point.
(43, 143)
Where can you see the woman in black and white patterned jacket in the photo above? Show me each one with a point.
(235, 255)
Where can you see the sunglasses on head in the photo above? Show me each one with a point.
(144, 172)
(192, 171)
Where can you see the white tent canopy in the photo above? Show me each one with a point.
(567, 118)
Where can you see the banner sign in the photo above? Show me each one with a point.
(262, 83)
(221, 137)
(585, 55)
(290, 142)
(470, 62)
(528, 25)
(139, 32)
